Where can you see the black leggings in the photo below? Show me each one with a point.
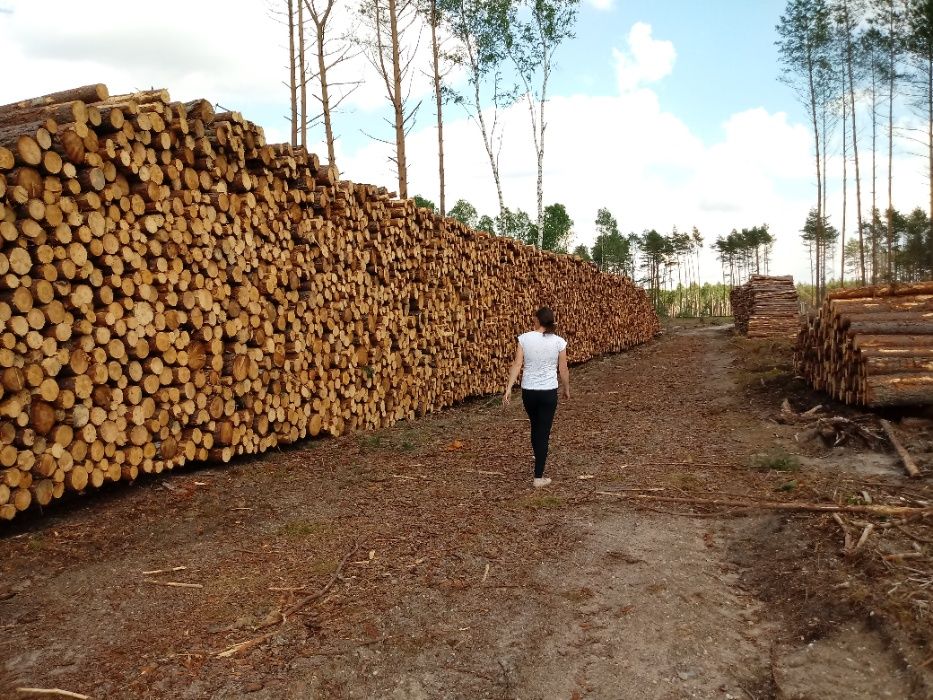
(540, 407)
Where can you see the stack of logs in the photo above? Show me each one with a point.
(174, 289)
(871, 346)
(766, 307)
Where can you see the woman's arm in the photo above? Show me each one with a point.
(513, 374)
(564, 372)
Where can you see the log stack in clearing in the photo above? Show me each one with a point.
(766, 307)
(871, 346)
(174, 289)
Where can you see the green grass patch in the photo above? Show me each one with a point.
(370, 442)
(325, 566)
(302, 529)
(775, 461)
(543, 502)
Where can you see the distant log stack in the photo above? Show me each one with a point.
(766, 307)
(872, 346)
(174, 289)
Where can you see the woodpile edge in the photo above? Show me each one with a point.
(766, 307)
(871, 346)
(174, 289)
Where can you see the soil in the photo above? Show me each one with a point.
(418, 562)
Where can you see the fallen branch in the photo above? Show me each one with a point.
(732, 465)
(912, 536)
(737, 513)
(308, 599)
(912, 470)
(291, 610)
(779, 505)
(847, 536)
(53, 691)
(900, 556)
(155, 572)
(242, 646)
(173, 584)
(861, 540)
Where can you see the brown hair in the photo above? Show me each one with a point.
(546, 318)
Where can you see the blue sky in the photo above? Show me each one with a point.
(726, 61)
(669, 112)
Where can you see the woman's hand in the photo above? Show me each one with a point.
(564, 373)
(513, 374)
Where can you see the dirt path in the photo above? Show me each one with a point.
(463, 581)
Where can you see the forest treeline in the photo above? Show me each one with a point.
(863, 69)
(506, 50)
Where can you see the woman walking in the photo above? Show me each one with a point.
(543, 353)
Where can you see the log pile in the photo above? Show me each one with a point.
(173, 288)
(766, 307)
(871, 346)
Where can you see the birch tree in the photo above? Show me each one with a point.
(533, 32)
(480, 53)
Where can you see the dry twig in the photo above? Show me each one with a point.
(53, 691)
(288, 612)
(912, 470)
(778, 505)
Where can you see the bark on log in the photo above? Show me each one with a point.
(871, 346)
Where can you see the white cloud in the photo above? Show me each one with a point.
(623, 151)
(232, 50)
(646, 61)
(602, 4)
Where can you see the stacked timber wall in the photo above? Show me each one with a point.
(766, 307)
(174, 289)
(871, 346)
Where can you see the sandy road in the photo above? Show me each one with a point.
(464, 582)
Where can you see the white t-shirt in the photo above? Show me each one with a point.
(541, 353)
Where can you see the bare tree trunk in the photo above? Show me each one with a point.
(819, 181)
(398, 104)
(325, 92)
(293, 85)
(438, 96)
(874, 173)
(303, 77)
(858, 179)
(891, 78)
(327, 58)
(542, 125)
(825, 242)
(487, 135)
(845, 182)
